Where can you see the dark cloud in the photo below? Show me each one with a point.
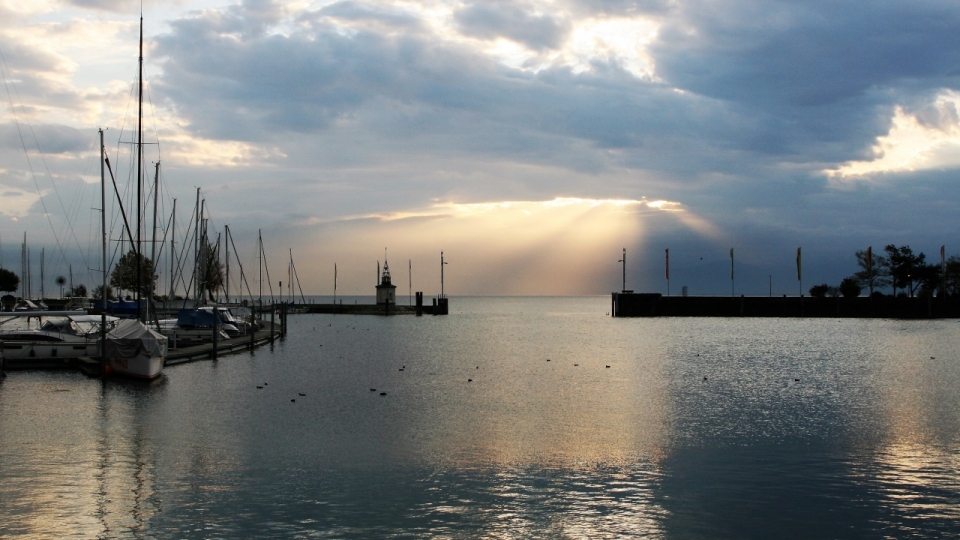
(621, 7)
(51, 139)
(808, 54)
(783, 83)
(752, 102)
(491, 20)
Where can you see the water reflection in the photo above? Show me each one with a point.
(75, 459)
(126, 461)
(698, 429)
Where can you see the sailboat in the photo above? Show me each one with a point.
(130, 347)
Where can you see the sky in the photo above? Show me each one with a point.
(530, 140)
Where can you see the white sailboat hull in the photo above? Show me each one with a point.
(25, 351)
(140, 366)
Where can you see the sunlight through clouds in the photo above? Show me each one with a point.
(557, 246)
(927, 139)
(623, 41)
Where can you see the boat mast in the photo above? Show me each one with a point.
(153, 238)
(173, 251)
(200, 262)
(196, 243)
(139, 253)
(103, 286)
(226, 247)
(259, 259)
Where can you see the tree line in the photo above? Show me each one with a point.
(905, 272)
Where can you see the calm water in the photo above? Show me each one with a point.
(699, 428)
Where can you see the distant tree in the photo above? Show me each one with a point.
(211, 269)
(951, 283)
(124, 274)
(850, 287)
(78, 291)
(833, 292)
(910, 272)
(874, 275)
(61, 281)
(9, 281)
(98, 292)
(819, 291)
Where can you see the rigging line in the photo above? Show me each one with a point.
(23, 143)
(292, 264)
(181, 258)
(123, 124)
(49, 175)
(153, 115)
(122, 211)
(243, 278)
(265, 267)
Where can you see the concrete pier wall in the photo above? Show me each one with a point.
(656, 305)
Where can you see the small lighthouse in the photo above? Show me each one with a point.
(386, 291)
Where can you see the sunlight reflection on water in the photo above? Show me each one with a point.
(698, 428)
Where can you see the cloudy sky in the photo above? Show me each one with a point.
(530, 140)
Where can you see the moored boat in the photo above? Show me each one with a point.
(133, 349)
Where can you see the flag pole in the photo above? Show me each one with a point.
(800, 270)
(668, 271)
(732, 292)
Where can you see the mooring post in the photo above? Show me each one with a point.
(419, 303)
(283, 319)
(273, 310)
(253, 326)
(216, 333)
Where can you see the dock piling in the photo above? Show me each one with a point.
(216, 333)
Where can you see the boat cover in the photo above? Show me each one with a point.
(195, 317)
(130, 337)
(120, 307)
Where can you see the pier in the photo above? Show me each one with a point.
(629, 304)
(440, 306)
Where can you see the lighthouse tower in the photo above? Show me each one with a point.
(386, 291)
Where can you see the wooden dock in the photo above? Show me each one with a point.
(182, 355)
(205, 351)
